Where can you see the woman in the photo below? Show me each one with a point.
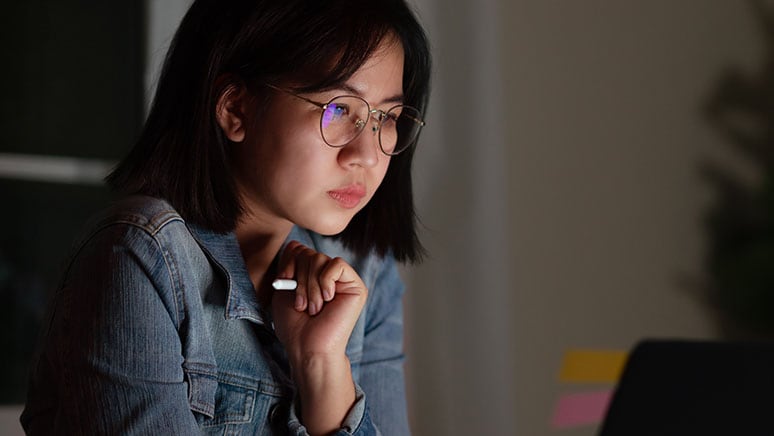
(279, 146)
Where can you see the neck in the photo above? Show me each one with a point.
(259, 244)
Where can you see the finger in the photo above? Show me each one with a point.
(341, 277)
(328, 277)
(286, 268)
(302, 279)
(315, 291)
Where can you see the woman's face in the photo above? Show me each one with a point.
(287, 174)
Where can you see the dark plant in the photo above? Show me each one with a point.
(740, 223)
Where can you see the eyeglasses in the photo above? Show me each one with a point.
(344, 117)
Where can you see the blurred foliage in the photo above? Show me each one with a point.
(741, 222)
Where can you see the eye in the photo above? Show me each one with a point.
(390, 118)
(336, 111)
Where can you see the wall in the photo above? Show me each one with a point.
(597, 140)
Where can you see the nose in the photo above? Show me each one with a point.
(363, 151)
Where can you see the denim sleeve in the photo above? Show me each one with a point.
(381, 367)
(112, 350)
(380, 404)
(357, 423)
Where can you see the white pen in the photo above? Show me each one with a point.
(284, 284)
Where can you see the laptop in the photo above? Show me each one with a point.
(694, 388)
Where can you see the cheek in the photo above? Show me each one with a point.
(382, 170)
(377, 177)
(291, 156)
(301, 171)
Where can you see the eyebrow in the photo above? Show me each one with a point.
(398, 98)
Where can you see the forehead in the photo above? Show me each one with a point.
(382, 73)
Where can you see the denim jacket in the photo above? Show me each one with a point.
(155, 328)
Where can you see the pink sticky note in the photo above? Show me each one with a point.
(584, 408)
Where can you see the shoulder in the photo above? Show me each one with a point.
(146, 229)
(134, 219)
(137, 247)
(148, 213)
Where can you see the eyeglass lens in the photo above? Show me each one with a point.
(345, 117)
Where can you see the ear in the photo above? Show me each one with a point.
(230, 111)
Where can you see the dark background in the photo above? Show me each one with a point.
(70, 85)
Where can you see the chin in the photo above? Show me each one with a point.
(327, 223)
(329, 231)
(333, 227)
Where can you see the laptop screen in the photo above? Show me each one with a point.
(694, 388)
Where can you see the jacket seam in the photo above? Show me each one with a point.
(174, 277)
(151, 231)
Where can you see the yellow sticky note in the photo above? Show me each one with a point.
(592, 366)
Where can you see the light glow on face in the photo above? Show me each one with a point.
(333, 112)
(289, 173)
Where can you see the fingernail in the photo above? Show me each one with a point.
(299, 302)
(312, 309)
(327, 294)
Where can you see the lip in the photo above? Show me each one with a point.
(348, 197)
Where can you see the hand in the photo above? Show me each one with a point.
(314, 324)
(319, 317)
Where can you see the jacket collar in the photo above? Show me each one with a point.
(223, 251)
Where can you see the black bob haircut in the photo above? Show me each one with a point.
(182, 154)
